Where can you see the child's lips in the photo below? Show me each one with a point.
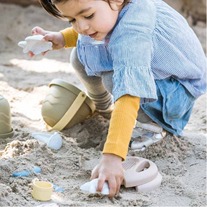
(93, 35)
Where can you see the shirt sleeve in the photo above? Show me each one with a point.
(121, 125)
(131, 50)
(70, 37)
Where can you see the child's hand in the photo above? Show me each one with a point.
(109, 169)
(55, 37)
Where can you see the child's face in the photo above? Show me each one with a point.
(95, 18)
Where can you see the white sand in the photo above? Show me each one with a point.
(23, 81)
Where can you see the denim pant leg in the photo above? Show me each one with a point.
(173, 108)
(93, 84)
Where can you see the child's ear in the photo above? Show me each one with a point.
(116, 4)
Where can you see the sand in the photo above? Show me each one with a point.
(24, 83)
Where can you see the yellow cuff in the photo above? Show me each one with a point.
(70, 37)
(121, 125)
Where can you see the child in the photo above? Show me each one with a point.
(145, 54)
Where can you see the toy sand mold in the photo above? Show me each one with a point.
(5, 119)
(65, 105)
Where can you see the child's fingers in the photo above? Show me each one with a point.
(38, 30)
(113, 187)
(52, 38)
(94, 173)
(31, 54)
(43, 53)
(100, 184)
(49, 37)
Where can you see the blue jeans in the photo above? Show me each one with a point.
(173, 108)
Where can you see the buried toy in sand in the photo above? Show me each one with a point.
(53, 139)
(5, 119)
(65, 105)
(140, 173)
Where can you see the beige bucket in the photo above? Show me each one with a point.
(5, 119)
(65, 105)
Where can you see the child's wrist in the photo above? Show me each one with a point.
(63, 39)
(111, 157)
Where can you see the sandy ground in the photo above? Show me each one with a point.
(24, 82)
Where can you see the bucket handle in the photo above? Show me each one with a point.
(70, 112)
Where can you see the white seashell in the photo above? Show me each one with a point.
(36, 44)
(90, 187)
(53, 141)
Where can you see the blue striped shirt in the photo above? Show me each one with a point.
(150, 41)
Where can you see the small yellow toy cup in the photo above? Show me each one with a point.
(42, 190)
(65, 105)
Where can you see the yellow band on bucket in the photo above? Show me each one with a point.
(70, 112)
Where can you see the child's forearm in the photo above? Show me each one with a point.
(70, 37)
(121, 125)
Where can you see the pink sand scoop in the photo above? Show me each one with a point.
(141, 173)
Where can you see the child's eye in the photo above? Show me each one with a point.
(71, 21)
(90, 16)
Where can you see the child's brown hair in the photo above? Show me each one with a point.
(49, 6)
